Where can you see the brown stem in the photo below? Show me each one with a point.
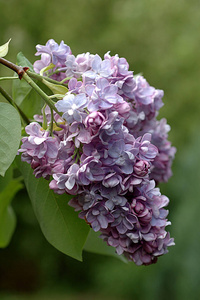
(18, 69)
(22, 74)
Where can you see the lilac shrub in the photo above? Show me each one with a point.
(107, 148)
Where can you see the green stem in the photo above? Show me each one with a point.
(40, 78)
(22, 74)
(44, 96)
(44, 124)
(8, 78)
(25, 119)
(51, 124)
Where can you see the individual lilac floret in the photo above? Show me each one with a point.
(99, 68)
(144, 94)
(42, 63)
(161, 168)
(124, 219)
(98, 216)
(147, 150)
(39, 143)
(76, 66)
(103, 95)
(141, 168)
(66, 182)
(94, 122)
(40, 150)
(57, 53)
(72, 106)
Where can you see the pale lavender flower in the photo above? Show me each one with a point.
(103, 95)
(99, 68)
(72, 106)
(57, 53)
(39, 143)
(144, 94)
(77, 66)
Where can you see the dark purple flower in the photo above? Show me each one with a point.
(124, 219)
(141, 210)
(98, 216)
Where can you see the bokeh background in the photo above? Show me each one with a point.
(161, 39)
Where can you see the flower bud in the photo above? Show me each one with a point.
(94, 121)
(141, 168)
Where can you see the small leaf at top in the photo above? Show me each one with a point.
(4, 49)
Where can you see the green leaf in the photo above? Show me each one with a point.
(10, 135)
(31, 104)
(58, 221)
(56, 88)
(4, 49)
(23, 94)
(4, 181)
(23, 61)
(97, 245)
(20, 90)
(7, 216)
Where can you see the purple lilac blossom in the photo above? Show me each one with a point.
(72, 106)
(52, 53)
(108, 149)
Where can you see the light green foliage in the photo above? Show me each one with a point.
(10, 134)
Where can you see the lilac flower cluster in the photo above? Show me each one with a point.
(107, 148)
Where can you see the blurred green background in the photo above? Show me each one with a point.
(161, 39)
